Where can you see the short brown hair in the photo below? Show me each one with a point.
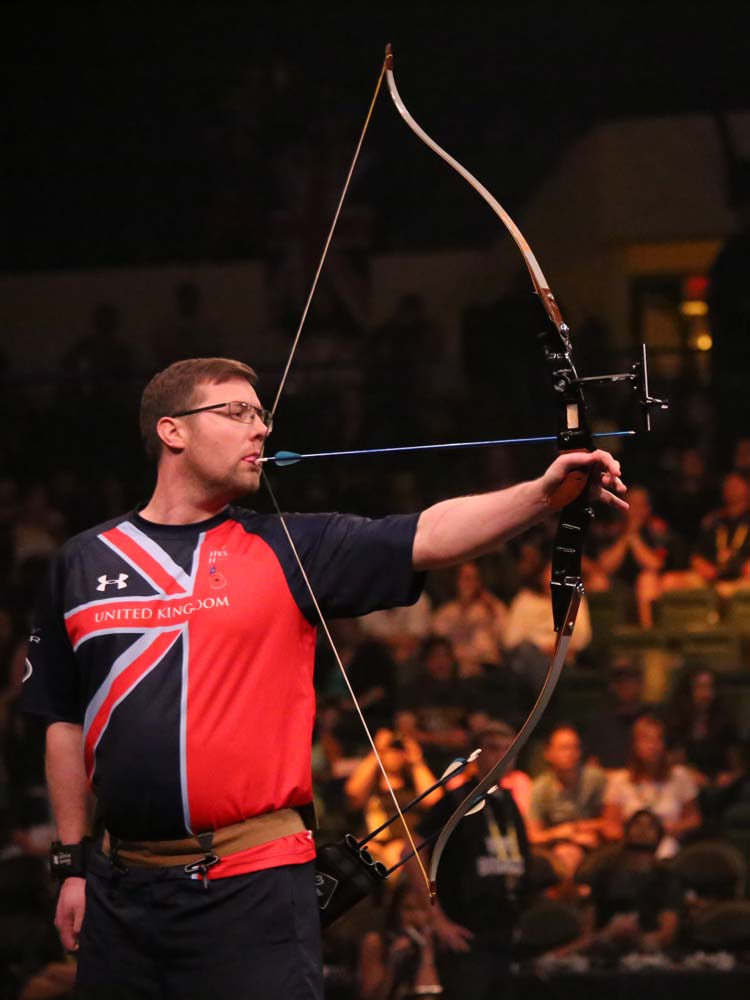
(174, 389)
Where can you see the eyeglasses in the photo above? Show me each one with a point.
(246, 413)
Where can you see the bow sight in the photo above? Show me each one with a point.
(565, 379)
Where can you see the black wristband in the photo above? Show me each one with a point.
(68, 860)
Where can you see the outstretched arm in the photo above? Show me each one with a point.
(468, 527)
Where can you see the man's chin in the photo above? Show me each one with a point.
(247, 487)
(241, 486)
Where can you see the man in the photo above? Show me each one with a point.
(609, 736)
(642, 549)
(721, 555)
(173, 659)
(433, 709)
(482, 879)
(474, 622)
(567, 800)
(635, 901)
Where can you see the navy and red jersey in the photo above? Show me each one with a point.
(186, 653)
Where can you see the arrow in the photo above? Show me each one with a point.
(284, 458)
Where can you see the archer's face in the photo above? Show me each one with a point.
(220, 454)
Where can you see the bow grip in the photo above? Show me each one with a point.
(571, 487)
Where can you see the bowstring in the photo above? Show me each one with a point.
(282, 519)
(327, 243)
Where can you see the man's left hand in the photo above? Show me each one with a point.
(605, 476)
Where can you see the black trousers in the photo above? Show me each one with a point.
(158, 935)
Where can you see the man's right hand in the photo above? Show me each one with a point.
(70, 909)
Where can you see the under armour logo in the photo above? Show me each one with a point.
(104, 582)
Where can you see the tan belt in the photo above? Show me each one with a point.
(228, 840)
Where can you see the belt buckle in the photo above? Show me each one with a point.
(201, 867)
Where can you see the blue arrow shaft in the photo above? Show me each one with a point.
(292, 457)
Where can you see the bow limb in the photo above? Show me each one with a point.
(298, 560)
(498, 770)
(570, 498)
(537, 277)
(573, 429)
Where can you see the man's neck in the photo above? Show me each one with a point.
(187, 506)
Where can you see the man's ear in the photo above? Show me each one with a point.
(171, 433)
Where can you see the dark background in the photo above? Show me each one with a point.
(145, 133)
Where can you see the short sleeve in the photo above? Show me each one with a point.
(537, 810)
(51, 687)
(598, 789)
(685, 788)
(356, 565)
(613, 792)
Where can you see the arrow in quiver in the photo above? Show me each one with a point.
(344, 874)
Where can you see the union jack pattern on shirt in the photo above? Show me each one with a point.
(186, 654)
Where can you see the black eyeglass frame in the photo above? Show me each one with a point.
(257, 411)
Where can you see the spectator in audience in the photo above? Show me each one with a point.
(189, 333)
(608, 738)
(372, 675)
(481, 882)
(635, 902)
(651, 782)
(686, 495)
(566, 800)
(495, 738)
(329, 769)
(701, 732)
(721, 556)
(99, 364)
(401, 370)
(39, 527)
(433, 709)
(366, 791)
(78, 504)
(530, 636)
(98, 371)
(401, 629)
(497, 694)
(400, 961)
(474, 622)
(31, 955)
(10, 505)
(641, 551)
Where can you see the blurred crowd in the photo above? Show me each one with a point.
(589, 851)
(582, 854)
